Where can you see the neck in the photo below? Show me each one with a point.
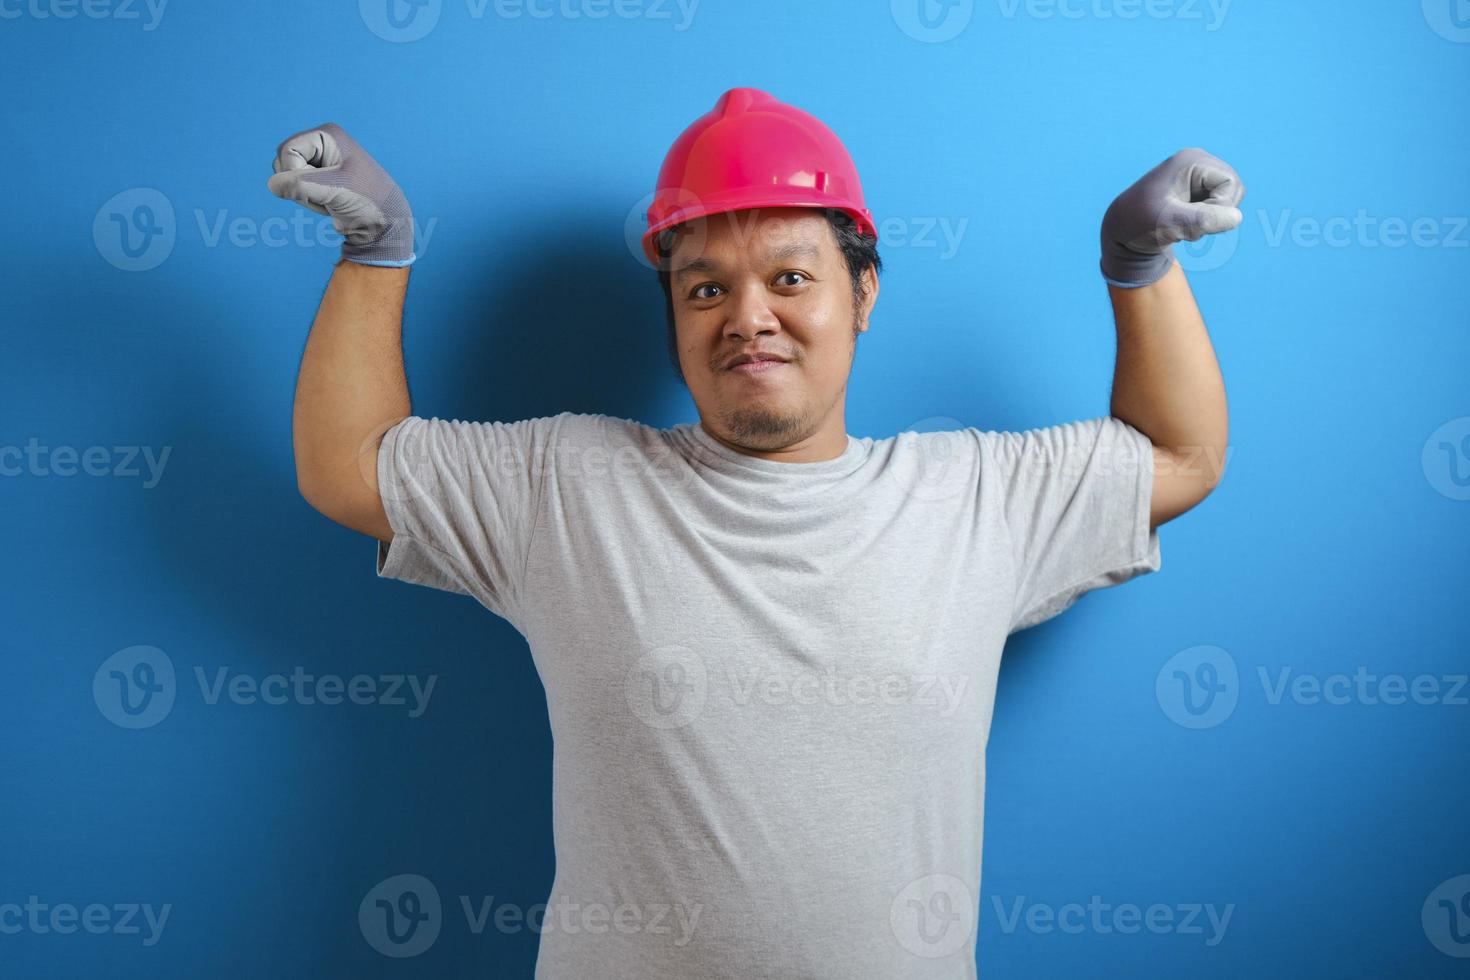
(827, 441)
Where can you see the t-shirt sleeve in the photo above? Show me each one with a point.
(462, 500)
(1075, 500)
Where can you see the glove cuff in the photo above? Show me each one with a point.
(389, 263)
(394, 247)
(1132, 272)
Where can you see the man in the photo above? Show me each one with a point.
(769, 648)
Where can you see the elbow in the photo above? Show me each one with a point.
(345, 498)
(1183, 478)
(323, 490)
(1199, 467)
(310, 490)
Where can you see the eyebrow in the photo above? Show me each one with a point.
(793, 250)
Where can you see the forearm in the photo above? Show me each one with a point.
(1167, 382)
(350, 389)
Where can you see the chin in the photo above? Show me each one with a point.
(761, 426)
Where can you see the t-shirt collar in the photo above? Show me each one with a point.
(851, 457)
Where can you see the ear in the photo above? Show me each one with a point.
(869, 285)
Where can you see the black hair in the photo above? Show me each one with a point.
(859, 251)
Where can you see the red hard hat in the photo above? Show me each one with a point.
(753, 151)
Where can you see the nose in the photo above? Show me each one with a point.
(750, 315)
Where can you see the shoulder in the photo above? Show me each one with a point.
(1086, 437)
(580, 426)
(564, 431)
(594, 443)
(593, 430)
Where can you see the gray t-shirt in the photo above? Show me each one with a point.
(769, 684)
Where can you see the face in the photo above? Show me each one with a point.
(768, 283)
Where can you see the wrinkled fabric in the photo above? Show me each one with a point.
(769, 684)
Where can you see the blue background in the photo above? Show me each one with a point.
(531, 141)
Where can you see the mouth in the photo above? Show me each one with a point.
(759, 366)
(755, 362)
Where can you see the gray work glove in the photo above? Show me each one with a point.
(325, 169)
(1188, 196)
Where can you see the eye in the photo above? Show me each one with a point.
(800, 275)
(695, 293)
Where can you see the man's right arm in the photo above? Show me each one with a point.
(350, 390)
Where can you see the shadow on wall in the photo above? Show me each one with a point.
(572, 322)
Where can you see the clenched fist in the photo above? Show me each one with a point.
(325, 170)
(1188, 196)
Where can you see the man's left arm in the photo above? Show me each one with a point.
(1167, 382)
(1167, 385)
